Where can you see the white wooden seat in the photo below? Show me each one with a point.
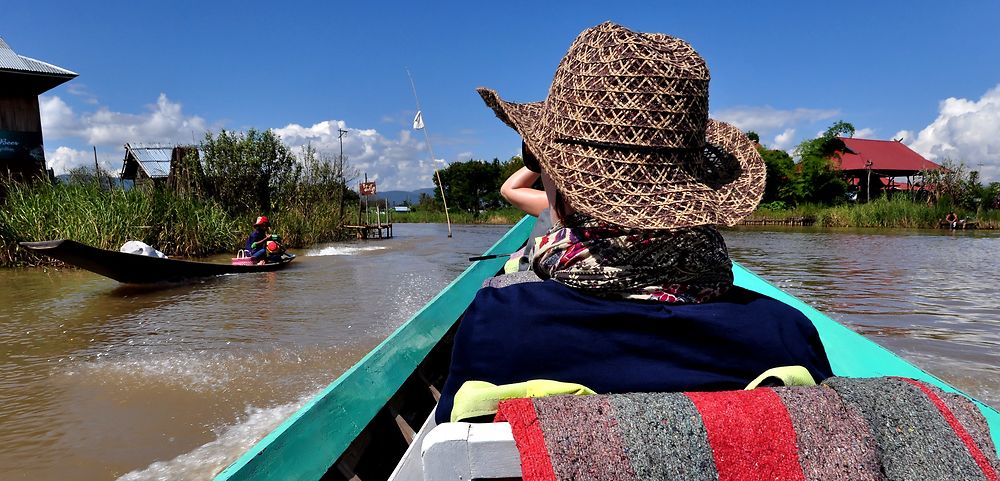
(466, 451)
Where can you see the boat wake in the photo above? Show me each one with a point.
(231, 442)
(342, 250)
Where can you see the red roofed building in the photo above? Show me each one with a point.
(881, 161)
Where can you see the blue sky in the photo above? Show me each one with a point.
(165, 72)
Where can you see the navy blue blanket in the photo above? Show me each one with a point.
(545, 330)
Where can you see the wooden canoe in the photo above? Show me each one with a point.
(368, 424)
(139, 269)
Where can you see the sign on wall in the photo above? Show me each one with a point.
(21, 146)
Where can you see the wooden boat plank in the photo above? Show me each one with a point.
(310, 441)
(137, 269)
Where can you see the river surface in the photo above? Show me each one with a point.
(102, 382)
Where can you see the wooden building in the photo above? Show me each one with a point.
(22, 80)
(157, 164)
(875, 166)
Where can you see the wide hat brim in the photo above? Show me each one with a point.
(645, 188)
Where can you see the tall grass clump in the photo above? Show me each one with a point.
(108, 218)
(897, 212)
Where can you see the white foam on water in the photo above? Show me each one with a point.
(207, 460)
(196, 371)
(342, 250)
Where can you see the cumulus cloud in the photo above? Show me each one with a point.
(396, 162)
(768, 119)
(783, 141)
(163, 122)
(964, 131)
(64, 159)
(400, 163)
(58, 119)
(866, 133)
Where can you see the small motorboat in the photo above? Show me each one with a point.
(141, 269)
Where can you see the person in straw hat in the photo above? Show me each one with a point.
(519, 189)
(636, 286)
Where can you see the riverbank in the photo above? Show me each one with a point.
(176, 225)
(881, 213)
(509, 215)
(187, 227)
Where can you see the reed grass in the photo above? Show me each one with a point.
(897, 212)
(108, 218)
(176, 225)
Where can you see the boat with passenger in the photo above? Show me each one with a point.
(372, 422)
(143, 269)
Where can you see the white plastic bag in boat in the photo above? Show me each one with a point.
(140, 248)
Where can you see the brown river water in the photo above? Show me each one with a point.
(100, 381)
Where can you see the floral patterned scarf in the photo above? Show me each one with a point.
(689, 265)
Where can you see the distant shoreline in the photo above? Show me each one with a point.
(882, 213)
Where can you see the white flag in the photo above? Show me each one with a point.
(418, 121)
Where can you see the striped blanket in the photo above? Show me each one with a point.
(845, 429)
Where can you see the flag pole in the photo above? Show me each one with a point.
(427, 140)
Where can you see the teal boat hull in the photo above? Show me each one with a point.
(308, 443)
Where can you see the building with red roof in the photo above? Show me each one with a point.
(879, 163)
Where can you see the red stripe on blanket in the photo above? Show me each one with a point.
(751, 435)
(977, 454)
(535, 462)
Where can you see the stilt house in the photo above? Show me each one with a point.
(22, 80)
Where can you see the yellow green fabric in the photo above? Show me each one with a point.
(512, 265)
(479, 398)
(789, 375)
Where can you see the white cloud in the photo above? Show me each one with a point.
(769, 119)
(964, 131)
(58, 119)
(64, 159)
(866, 133)
(396, 163)
(400, 163)
(81, 91)
(783, 141)
(905, 136)
(163, 122)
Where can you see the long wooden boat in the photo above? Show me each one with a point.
(139, 269)
(368, 424)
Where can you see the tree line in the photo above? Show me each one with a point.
(472, 186)
(816, 179)
(806, 176)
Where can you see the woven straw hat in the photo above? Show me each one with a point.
(625, 134)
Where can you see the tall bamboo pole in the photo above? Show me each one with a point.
(427, 140)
